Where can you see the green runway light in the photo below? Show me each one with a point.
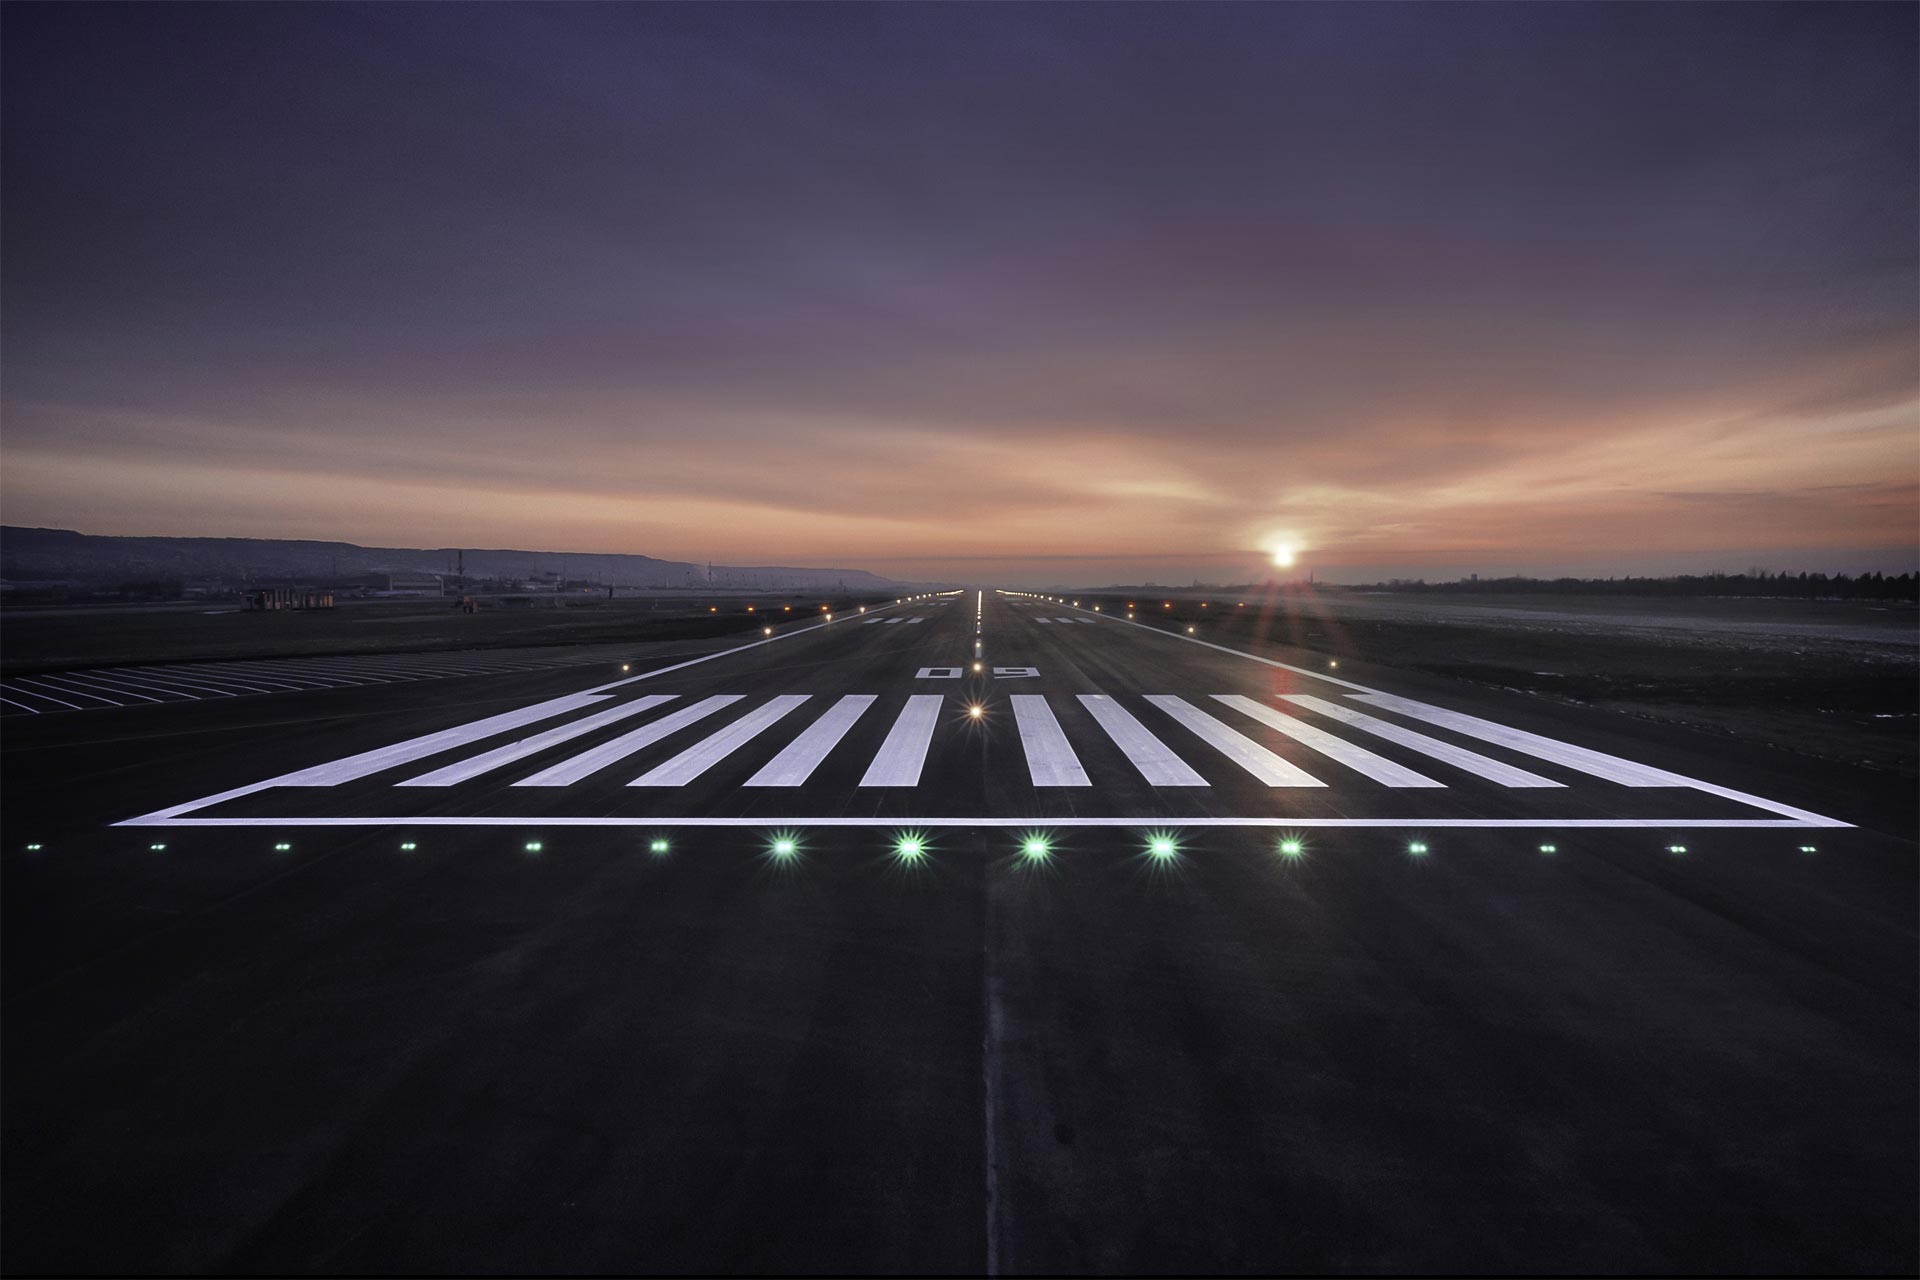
(1549, 848)
(1292, 849)
(408, 846)
(534, 846)
(910, 847)
(1417, 849)
(282, 847)
(657, 846)
(1807, 848)
(784, 847)
(1676, 848)
(157, 848)
(1162, 847)
(35, 848)
(1034, 849)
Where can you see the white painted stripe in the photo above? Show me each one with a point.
(572, 770)
(96, 682)
(904, 753)
(487, 761)
(1068, 621)
(158, 819)
(335, 772)
(915, 621)
(1565, 754)
(1043, 621)
(23, 706)
(1050, 758)
(54, 682)
(47, 697)
(1359, 759)
(803, 755)
(1234, 745)
(870, 621)
(710, 751)
(216, 683)
(1153, 758)
(1459, 757)
(1088, 621)
(891, 621)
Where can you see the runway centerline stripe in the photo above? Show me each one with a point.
(486, 761)
(710, 751)
(1154, 759)
(794, 765)
(1459, 757)
(335, 772)
(1050, 758)
(1565, 754)
(572, 770)
(1359, 759)
(904, 753)
(1234, 745)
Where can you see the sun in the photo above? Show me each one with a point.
(1283, 556)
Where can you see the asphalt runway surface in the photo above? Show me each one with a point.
(824, 951)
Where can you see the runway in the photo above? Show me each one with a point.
(973, 932)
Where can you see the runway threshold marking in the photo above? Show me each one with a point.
(794, 765)
(568, 772)
(1234, 745)
(1155, 760)
(904, 753)
(1459, 757)
(486, 762)
(1051, 759)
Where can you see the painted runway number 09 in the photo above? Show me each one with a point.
(954, 673)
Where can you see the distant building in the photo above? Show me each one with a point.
(268, 599)
(409, 584)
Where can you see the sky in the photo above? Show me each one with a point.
(1015, 294)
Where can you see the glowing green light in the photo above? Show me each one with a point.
(408, 846)
(534, 846)
(1549, 848)
(35, 848)
(784, 847)
(1035, 849)
(1676, 848)
(157, 848)
(910, 847)
(1292, 849)
(1807, 848)
(1162, 847)
(282, 847)
(657, 846)
(1417, 849)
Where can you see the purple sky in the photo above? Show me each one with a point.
(996, 292)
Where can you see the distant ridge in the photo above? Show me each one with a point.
(28, 555)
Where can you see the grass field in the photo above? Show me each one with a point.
(63, 638)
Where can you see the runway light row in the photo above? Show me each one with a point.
(1034, 846)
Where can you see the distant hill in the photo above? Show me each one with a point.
(42, 555)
